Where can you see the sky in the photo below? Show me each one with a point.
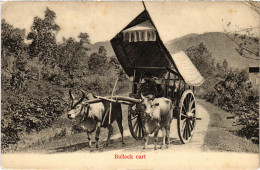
(103, 20)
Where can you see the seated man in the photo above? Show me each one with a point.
(149, 87)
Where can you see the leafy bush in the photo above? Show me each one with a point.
(234, 93)
(23, 113)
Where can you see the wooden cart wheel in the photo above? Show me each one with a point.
(187, 116)
(135, 123)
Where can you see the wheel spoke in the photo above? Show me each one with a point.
(134, 117)
(191, 104)
(192, 110)
(188, 99)
(186, 103)
(183, 124)
(135, 124)
(190, 125)
(185, 131)
(186, 134)
(182, 127)
(142, 134)
(183, 115)
(140, 130)
(188, 129)
(184, 109)
(137, 130)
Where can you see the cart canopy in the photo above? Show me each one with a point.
(188, 71)
(139, 47)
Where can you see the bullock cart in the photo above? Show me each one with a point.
(143, 57)
(149, 64)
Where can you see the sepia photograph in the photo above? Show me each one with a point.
(130, 85)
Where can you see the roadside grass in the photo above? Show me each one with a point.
(59, 129)
(222, 132)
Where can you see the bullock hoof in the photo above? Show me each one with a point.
(155, 148)
(97, 146)
(123, 144)
(144, 148)
(105, 145)
(100, 149)
(162, 147)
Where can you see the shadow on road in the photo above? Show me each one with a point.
(130, 145)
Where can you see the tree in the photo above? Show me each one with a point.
(11, 39)
(102, 51)
(202, 59)
(43, 36)
(225, 65)
(114, 63)
(70, 52)
(247, 42)
(98, 60)
(94, 61)
(13, 51)
(84, 39)
(12, 43)
(253, 5)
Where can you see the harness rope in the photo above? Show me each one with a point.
(84, 115)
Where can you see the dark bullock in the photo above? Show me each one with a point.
(91, 117)
(156, 115)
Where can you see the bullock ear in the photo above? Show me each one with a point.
(156, 104)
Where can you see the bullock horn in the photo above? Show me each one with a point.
(83, 92)
(142, 96)
(71, 97)
(82, 98)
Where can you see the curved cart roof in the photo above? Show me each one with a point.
(189, 72)
(151, 56)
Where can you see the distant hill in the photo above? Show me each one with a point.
(106, 44)
(217, 43)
